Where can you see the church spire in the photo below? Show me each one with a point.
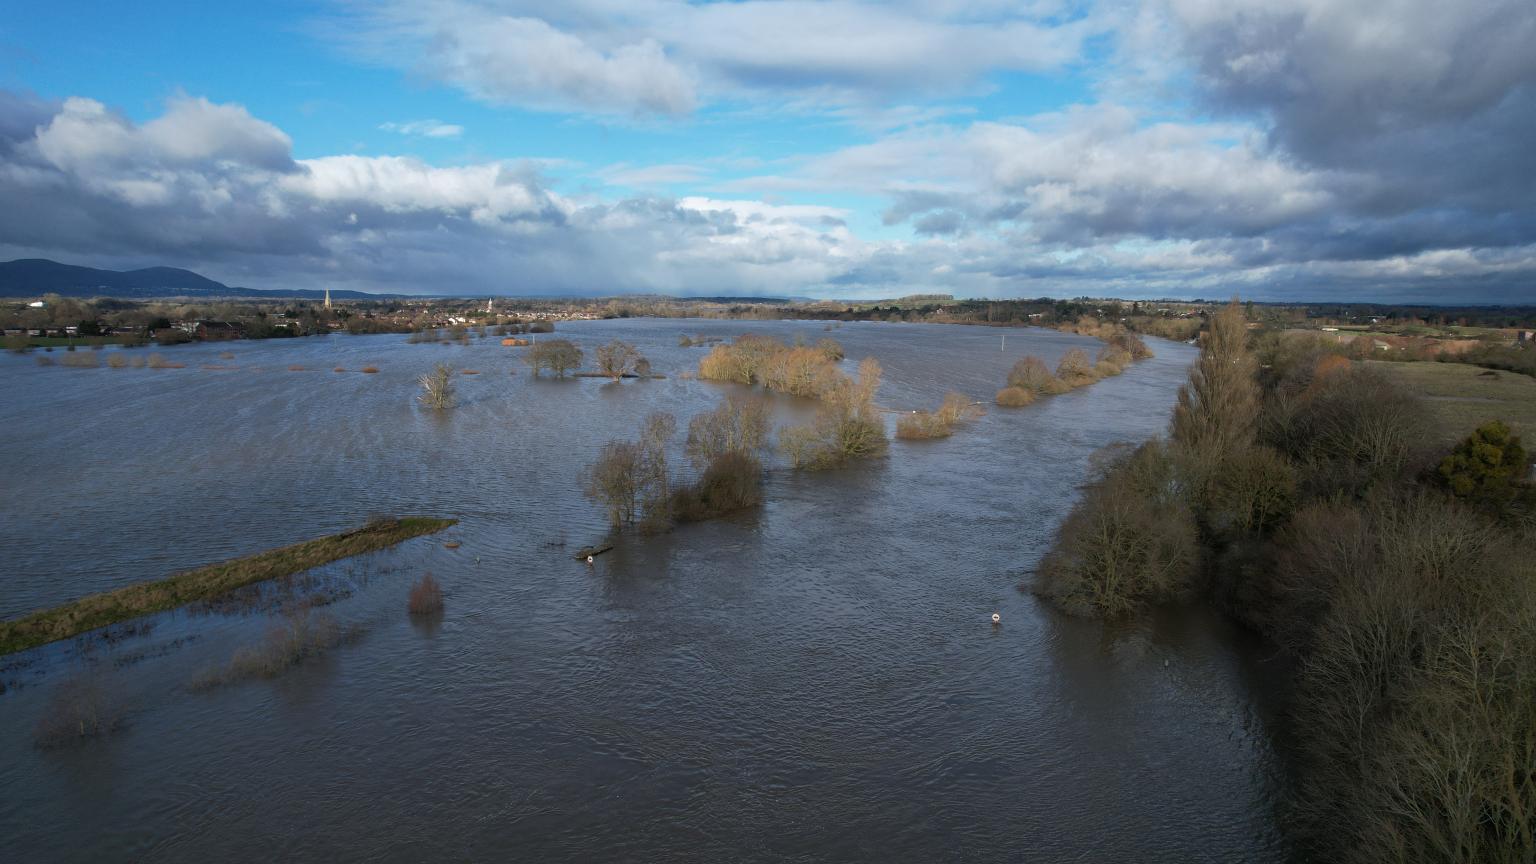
(327, 298)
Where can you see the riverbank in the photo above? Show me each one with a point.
(1307, 496)
(99, 610)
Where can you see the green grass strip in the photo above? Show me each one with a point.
(99, 610)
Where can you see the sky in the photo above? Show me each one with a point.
(1278, 150)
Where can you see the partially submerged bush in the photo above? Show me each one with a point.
(80, 707)
(303, 635)
(937, 424)
(958, 408)
(1130, 541)
(1075, 369)
(1031, 375)
(830, 349)
(797, 370)
(1015, 397)
(921, 424)
(426, 596)
(732, 481)
(847, 424)
(739, 424)
(1131, 344)
(82, 360)
(1112, 360)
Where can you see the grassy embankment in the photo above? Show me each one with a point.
(99, 610)
(1462, 397)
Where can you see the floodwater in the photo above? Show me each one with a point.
(817, 680)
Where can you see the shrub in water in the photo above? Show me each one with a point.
(426, 596)
(1015, 397)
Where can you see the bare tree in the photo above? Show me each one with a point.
(616, 358)
(630, 477)
(847, 425)
(437, 388)
(739, 424)
(655, 432)
(616, 480)
(1218, 409)
(557, 355)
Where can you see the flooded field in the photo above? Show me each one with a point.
(814, 680)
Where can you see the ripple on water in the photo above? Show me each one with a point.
(816, 680)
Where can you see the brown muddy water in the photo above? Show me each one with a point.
(817, 680)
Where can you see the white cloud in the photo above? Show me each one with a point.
(1100, 201)
(665, 57)
(505, 58)
(190, 131)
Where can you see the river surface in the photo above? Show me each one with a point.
(815, 680)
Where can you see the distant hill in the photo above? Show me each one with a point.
(33, 277)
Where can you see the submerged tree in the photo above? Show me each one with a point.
(1075, 368)
(615, 480)
(557, 355)
(739, 424)
(1130, 541)
(616, 359)
(630, 478)
(956, 409)
(847, 425)
(1032, 376)
(437, 388)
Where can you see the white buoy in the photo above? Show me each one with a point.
(590, 559)
(996, 618)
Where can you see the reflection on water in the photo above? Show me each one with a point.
(817, 679)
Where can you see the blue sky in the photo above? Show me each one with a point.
(1274, 148)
